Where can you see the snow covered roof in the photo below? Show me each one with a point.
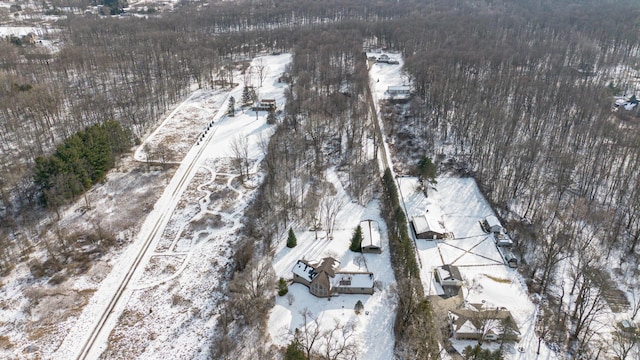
(448, 272)
(492, 221)
(424, 223)
(304, 270)
(370, 233)
(469, 320)
(308, 271)
(353, 280)
(399, 89)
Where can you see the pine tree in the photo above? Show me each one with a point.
(295, 350)
(253, 96)
(283, 289)
(359, 307)
(271, 117)
(426, 170)
(246, 96)
(231, 110)
(356, 240)
(291, 240)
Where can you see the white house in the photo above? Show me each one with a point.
(399, 93)
(265, 105)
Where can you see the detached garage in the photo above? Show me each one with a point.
(370, 237)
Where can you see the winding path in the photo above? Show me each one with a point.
(106, 305)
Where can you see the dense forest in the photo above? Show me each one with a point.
(518, 94)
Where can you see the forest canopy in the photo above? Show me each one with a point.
(80, 161)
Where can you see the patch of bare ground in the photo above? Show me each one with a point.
(222, 165)
(5, 343)
(48, 308)
(206, 222)
(129, 339)
(162, 266)
(73, 254)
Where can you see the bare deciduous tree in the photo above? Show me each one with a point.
(240, 151)
(262, 70)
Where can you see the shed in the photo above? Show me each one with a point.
(491, 224)
(370, 237)
(509, 258)
(265, 105)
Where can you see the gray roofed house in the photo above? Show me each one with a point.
(324, 280)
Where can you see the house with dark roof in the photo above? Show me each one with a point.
(323, 279)
(449, 277)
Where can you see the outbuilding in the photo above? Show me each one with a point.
(370, 237)
(426, 227)
(491, 224)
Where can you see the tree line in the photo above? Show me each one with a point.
(82, 160)
(514, 89)
(523, 103)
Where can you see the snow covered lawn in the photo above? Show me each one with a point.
(373, 334)
(460, 205)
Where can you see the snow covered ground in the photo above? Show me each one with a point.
(374, 326)
(168, 307)
(459, 205)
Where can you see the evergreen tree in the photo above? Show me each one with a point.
(82, 160)
(359, 307)
(294, 349)
(231, 110)
(253, 96)
(271, 117)
(291, 240)
(356, 240)
(426, 170)
(246, 95)
(283, 289)
(478, 353)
